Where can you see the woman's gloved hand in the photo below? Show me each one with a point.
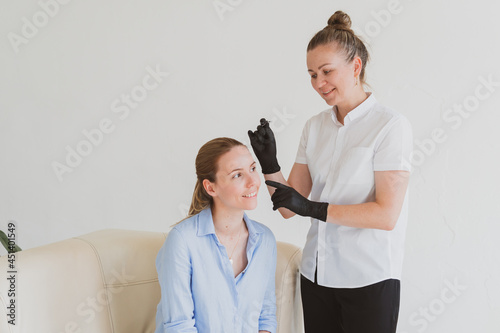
(289, 198)
(264, 147)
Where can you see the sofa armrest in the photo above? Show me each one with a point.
(288, 300)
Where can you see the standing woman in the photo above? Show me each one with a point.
(353, 161)
(216, 268)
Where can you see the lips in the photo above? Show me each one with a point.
(250, 195)
(327, 92)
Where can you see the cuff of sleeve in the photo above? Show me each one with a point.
(392, 167)
(268, 324)
(266, 327)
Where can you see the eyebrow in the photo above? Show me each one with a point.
(310, 70)
(238, 169)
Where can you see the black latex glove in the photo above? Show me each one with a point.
(289, 198)
(264, 147)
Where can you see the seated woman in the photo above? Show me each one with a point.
(216, 268)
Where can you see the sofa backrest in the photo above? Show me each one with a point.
(106, 282)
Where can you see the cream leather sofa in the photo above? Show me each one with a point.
(106, 282)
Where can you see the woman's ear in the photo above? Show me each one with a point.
(358, 66)
(209, 187)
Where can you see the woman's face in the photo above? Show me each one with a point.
(237, 181)
(331, 76)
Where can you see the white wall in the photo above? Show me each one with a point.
(226, 70)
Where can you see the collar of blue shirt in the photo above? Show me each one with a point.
(205, 225)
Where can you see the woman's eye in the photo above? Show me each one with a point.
(326, 72)
(252, 169)
(238, 175)
(314, 76)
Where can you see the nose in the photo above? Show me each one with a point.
(320, 82)
(253, 180)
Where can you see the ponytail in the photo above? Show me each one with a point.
(201, 199)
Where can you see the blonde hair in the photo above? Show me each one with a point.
(339, 31)
(206, 168)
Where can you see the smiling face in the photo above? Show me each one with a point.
(331, 76)
(237, 181)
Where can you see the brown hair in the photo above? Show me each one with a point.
(206, 168)
(339, 31)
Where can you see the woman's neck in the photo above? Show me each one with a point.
(227, 222)
(358, 97)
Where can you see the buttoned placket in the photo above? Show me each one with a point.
(228, 269)
(324, 197)
(228, 273)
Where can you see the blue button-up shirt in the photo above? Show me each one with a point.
(199, 292)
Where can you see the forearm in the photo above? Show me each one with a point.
(370, 215)
(383, 212)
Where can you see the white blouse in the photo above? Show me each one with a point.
(342, 160)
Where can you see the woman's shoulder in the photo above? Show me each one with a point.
(315, 122)
(382, 110)
(186, 227)
(320, 116)
(264, 230)
(388, 115)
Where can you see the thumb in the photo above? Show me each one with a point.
(251, 135)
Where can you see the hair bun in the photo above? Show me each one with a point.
(340, 21)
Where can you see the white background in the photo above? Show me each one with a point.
(228, 67)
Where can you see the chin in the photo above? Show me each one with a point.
(250, 205)
(331, 101)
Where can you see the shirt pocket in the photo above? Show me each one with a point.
(357, 166)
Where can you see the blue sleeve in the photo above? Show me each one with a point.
(267, 319)
(175, 313)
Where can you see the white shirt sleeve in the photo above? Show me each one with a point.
(301, 157)
(394, 150)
